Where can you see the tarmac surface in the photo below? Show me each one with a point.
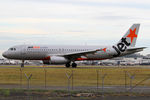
(107, 89)
(76, 98)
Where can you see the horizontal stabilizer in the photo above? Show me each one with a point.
(136, 49)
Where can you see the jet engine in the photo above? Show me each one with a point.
(56, 60)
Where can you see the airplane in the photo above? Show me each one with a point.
(68, 55)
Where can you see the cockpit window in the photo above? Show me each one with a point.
(12, 49)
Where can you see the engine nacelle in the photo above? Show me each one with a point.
(56, 60)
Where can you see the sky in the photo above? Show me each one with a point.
(72, 22)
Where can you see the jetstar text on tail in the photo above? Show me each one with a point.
(121, 47)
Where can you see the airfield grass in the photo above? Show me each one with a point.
(81, 77)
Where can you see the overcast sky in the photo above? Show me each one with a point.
(72, 22)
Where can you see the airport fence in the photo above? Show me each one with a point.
(99, 79)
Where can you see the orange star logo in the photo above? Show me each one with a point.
(104, 49)
(132, 34)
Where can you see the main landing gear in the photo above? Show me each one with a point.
(22, 64)
(74, 65)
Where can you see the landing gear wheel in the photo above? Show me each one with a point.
(67, 65)
(74, 65)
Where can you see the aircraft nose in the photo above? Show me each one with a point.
(4, 54)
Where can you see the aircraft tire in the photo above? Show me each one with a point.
(74, 65)
(67, 65)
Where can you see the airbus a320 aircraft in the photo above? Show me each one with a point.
(68, 55)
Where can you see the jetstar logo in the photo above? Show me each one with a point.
(132, 34)
(104, 49)
(121, 47)
(36, 47)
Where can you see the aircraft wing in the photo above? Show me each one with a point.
(75, 55)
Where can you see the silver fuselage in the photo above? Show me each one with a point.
(40, 52)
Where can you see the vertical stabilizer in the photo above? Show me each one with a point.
(127, 41)
(131, 35)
